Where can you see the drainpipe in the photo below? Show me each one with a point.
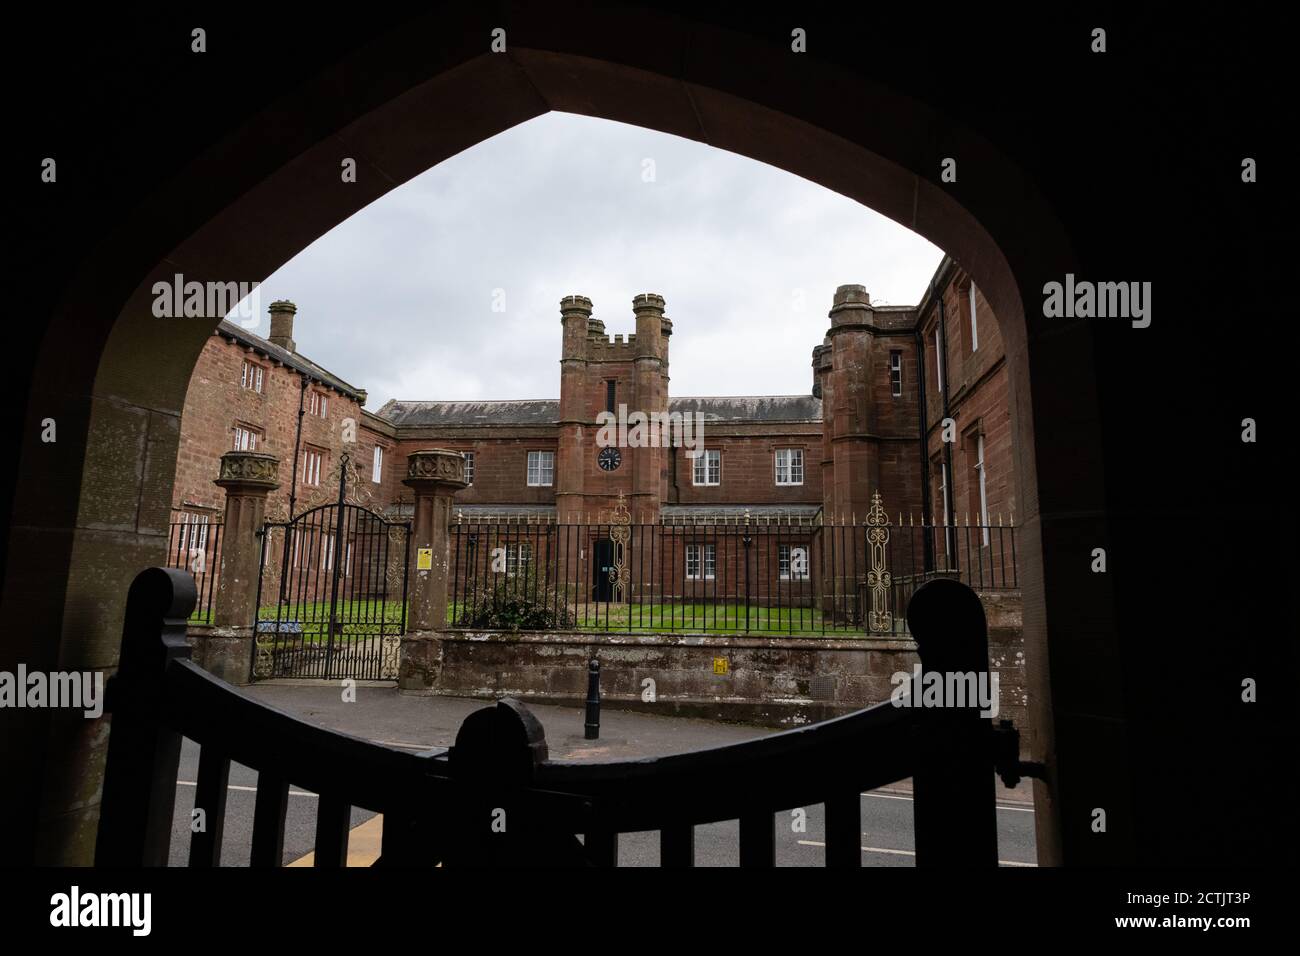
(297, 445)
(672, 458)
(943, 392)
(927, 549)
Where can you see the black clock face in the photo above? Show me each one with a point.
(609, 458)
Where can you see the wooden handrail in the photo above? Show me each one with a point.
(440, 805)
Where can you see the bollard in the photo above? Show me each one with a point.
(593, 700)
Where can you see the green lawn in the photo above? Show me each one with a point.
(362, 619)
(720, 618)
(348, 611)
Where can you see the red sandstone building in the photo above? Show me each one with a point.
(907, 401)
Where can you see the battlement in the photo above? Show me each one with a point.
(648, 302)
(575, 303)
(616, 342)
(586, 338)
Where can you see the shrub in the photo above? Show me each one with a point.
(507, 610)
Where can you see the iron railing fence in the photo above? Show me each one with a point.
(759, 578)
(983, 557)
(194, 544)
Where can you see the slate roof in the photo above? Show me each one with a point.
(752, 408)
(292, 359)
(744, 408)
(487, 514)
(524, 412)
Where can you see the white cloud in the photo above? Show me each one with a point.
(398, 299)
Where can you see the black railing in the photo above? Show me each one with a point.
(443, 806)
(760, 577)
(331, 593)
(194, 545)
(982, 557)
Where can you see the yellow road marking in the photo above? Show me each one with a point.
(363, 844)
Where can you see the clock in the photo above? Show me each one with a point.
(609, 459)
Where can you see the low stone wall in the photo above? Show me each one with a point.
(770, 681)
(773, 681)
(1004, 611)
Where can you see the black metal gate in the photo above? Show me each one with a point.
(336, 579)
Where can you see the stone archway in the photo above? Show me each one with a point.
(245, 207)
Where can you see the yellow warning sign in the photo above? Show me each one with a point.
(423, 559)
(719, 665)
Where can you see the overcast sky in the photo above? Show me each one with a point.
(399, 298)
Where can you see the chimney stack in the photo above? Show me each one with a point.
(282, 312)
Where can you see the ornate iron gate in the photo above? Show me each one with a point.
(336, 576)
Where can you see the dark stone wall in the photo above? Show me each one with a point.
(777, 681)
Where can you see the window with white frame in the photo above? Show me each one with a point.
(318, 404)
(707, 467)
(695, 553)
(347, 560)
(194, 530)
(980, 473)
(377, 466)
(792, 562)
(974, 328)
(541, 468)
(943, 491)
(789, 466)
(327, 552)
(312, 459)
(469, 466)
(518, 557)
(300, 549)
(895, 373)
(943, 516)
(246, 439)
(251, 376)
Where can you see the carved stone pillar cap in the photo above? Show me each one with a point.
(432, 468)
(251, 468)
(852, 305)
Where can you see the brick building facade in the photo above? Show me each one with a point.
(882, 401)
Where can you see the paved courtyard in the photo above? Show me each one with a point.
(419, 723)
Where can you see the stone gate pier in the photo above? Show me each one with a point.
(434, 475)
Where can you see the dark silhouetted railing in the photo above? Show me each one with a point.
(495, 799)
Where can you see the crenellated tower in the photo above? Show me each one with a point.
(598, 373)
